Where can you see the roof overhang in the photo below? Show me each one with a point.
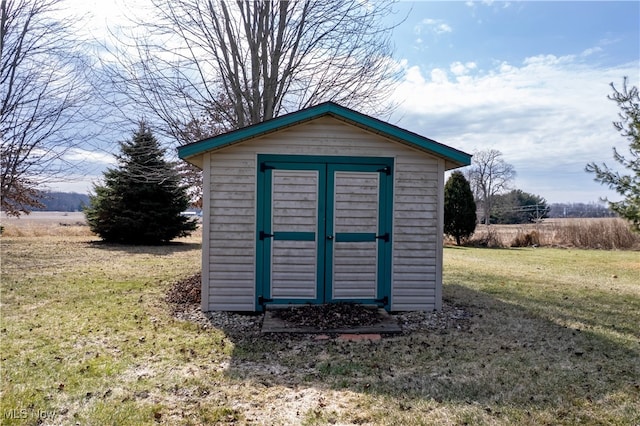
(453, 157)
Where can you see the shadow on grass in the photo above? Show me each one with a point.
(481, 247)
(509, 356)
(587, 308)
(160, 249)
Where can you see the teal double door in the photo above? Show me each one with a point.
(323, 230)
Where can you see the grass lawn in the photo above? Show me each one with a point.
(554, 338)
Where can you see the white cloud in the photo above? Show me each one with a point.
(96, 16)
(82, 184)
(78, 155)
(439, 76)
(549, 116)
(460, 69)
(549, 60)
(437, 26)
(505, 68)
(488, 3)
(414, 76)
(443, 28)
(591, 51)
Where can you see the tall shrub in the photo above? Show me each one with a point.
(459, 208)
(141, 200)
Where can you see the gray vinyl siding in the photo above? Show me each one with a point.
(415, 235)
(205, 302)
(231, 257)
(230, 183)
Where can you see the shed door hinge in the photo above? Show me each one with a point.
(263, 300)
(384, 237)
(264, 167)
(264, 235)
(383, 302)
(386, 170)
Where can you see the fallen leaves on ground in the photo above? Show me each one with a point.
(184, 300)
(186, 291)
(330, 316)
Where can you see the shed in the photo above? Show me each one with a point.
(322, 205)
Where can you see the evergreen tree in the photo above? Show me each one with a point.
(628, 186)
(459, 208)
(518, 206)
(141, 200)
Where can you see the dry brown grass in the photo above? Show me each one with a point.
(46, 224)
(551, 338)
(87, 338)
(592, 233)
(51, 224)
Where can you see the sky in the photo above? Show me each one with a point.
(529, 79)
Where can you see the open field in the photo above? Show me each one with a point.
(39, 224)
(550, 336)
(591, 233)
(588, 233)
(52, 224)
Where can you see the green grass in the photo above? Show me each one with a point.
(554, 338)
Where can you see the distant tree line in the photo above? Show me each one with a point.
(464, 208)
(580, 210)
(490, 179)
(521, 207)
(517, 206)
(63, 202)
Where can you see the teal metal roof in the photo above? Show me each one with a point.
(332, 109)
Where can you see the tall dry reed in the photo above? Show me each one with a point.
(594, 233)
(608, 234)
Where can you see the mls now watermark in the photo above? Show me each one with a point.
(23, 413)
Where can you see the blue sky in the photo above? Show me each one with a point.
(530, 79)
(443, 32)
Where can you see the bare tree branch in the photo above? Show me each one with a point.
(254, 60)
(489, 176)
(42, 94)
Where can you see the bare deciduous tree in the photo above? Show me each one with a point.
(254, 60)
(489, 176)
(42, 93)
